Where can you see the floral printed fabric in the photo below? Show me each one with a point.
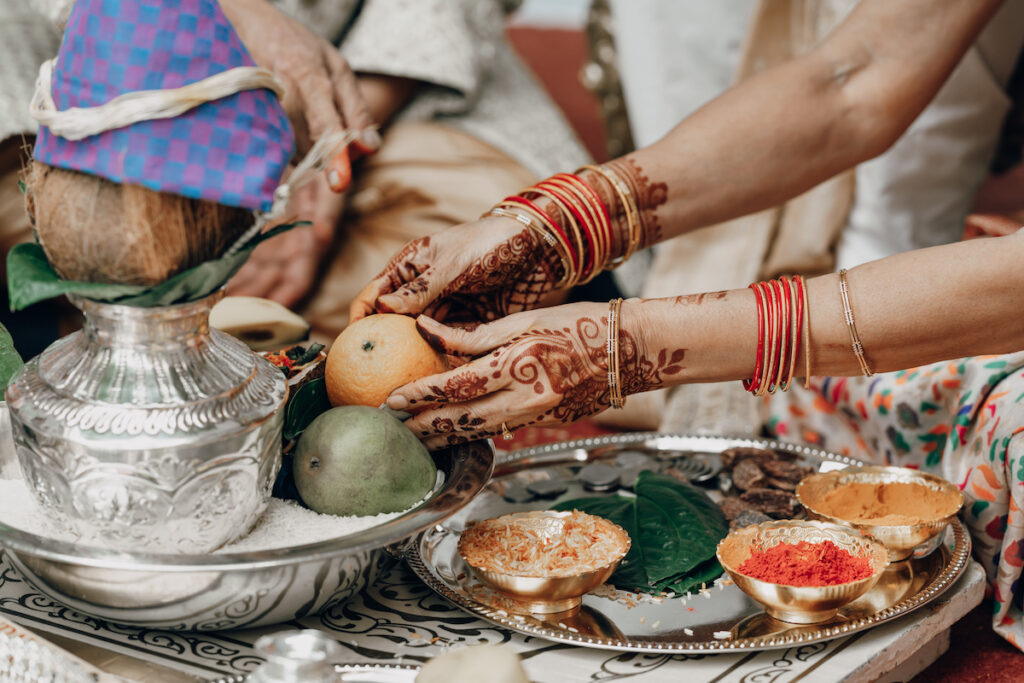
(962, 420)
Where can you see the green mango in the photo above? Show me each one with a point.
(358, 460)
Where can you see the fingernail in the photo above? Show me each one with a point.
(397, 403)
(370, 139)
(333, 179)
(430, 337)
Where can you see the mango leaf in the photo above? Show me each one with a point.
(31, 278)
(308, 403)
(10, 361)
(675, 529)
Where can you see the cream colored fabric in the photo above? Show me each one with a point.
(424, 178)
(26, 39)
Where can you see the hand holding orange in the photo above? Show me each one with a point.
(374, 356)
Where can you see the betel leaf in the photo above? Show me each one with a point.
(308, 403)
(10, 360)
(675, 529)
(679, 525)
(704, 573)
(31, 278)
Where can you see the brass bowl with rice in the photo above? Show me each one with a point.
(906, 510)
(544, 561)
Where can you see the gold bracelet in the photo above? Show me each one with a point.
(615, 397)
(794, 330)
(572, 230)
(628, 206)
(583, 206)
(807, 334)
(526, 220)
(858, 348)
(568, 266)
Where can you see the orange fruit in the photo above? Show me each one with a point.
(374, 356)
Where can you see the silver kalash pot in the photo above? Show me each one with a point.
(148, 431)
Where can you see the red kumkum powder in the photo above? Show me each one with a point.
(806, 564)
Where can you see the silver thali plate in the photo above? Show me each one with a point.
(720, 618)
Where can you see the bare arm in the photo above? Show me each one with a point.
(944, 302)
(790, 127)
(550, 365)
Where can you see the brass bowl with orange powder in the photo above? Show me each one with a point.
(800, 604)
(544, 561)
(905, 509)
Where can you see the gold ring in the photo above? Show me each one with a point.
(506, 433)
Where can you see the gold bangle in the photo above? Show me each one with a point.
(807, 335)
(858, 347)
(794, 331)
(525, 219)
(572, 228)
(598, 212)
(570, 204)
(628, 206)
(615, 397)
(637, 230)
(567, 263)
(583, 205)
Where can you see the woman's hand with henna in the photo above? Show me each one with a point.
(531, 369)
(475, 272)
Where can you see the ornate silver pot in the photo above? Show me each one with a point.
(148, 431)
(221, 591)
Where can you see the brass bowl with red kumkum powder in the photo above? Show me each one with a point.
(544, 561)
(801, 604)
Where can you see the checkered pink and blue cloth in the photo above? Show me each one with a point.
(232, 151)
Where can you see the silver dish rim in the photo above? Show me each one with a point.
(511, 462)
(469, 469)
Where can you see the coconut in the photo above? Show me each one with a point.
(95, 230)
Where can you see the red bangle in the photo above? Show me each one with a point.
(754, 383)
(554, 224)
(781, 335)
(595, 199)
(787, 332)
(584, 223)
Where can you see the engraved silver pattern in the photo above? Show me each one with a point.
(148, 430)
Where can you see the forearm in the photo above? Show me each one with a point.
(791, 127)
(909, 309)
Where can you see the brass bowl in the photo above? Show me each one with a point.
(901, 540)
(548, 594)
(799, 604)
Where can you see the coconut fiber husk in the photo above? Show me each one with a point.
(94, 230)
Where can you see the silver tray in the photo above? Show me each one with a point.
(233, 590)
(674, 624)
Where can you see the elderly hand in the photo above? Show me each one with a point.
(475, 272)
(531, 369)
(321, 93)
(284, 268)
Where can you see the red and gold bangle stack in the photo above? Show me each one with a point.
(781, 328)
(576, 222)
